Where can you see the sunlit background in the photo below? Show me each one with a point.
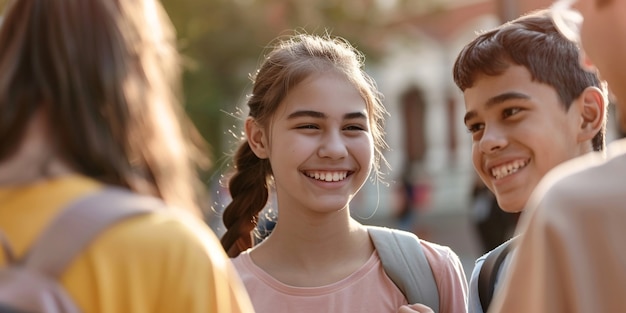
(410, 46)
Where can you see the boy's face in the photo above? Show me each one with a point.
(520, 130)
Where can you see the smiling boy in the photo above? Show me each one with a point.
(529, 107)
(571, 256)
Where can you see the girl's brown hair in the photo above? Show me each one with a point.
(105, 74)
(289, 63)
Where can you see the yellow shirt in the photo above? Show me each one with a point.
(157, 262)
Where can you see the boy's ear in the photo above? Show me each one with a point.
(592, 113)
(257, 140)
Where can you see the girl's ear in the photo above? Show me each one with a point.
(257, 140)
(592, 112)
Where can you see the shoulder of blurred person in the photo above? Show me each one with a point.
(167, 257)
(165, 261)
(572, 234)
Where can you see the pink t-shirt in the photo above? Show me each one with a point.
(368, 289)
(449, 277)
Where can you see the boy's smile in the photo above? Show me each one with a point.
(520, 130)
(504, 170)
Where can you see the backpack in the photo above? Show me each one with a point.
(405, 263)
(489, 272)
(31, 284)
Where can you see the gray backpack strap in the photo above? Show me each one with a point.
(488, 275)
(405, 263)
(78, 224)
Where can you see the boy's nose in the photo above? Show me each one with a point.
(493, 139)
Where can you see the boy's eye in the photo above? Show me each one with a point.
(510, 111)
(473, 128)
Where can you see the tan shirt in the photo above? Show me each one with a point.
(571, 256)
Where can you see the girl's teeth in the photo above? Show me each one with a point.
(328, 176)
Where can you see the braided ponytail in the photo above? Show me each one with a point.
(249, 191)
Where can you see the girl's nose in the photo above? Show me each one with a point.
(333, 146)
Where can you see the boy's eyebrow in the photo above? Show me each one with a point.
(317, 114)
(496, 100)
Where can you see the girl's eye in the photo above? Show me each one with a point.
(355, 127)
(307, 126)
(510, 111)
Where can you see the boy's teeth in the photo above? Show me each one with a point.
(328, 176)
(507, 169)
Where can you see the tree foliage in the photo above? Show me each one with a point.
(223, 41)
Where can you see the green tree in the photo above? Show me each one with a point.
(222, 41)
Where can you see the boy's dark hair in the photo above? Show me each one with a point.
(531, 41)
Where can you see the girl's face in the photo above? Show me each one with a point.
(320, 145)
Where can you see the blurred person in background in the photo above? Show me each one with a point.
(89, 97)
(493, 225)
(571, 255)
(529, 107)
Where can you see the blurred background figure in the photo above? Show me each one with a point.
(493, 225)
(413, 182)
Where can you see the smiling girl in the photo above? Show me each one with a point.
(315, 134)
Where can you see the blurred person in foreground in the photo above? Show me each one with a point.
(89, 97)
(571, 256)
(529, 107)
